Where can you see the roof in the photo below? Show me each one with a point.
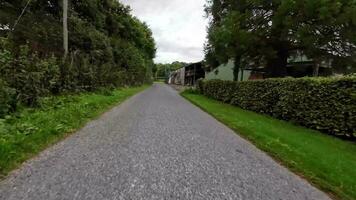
(191, 64)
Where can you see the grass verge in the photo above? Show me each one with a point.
(326, 161)
(31, 130)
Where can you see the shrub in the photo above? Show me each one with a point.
(325, 104)
(7, 99)
(31, 76)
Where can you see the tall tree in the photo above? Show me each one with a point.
(266, 33)
(108, 46)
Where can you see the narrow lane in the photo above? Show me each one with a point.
(156, 145)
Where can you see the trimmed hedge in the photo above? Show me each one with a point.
(324, 104)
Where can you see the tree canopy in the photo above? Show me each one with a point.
(163, 70)
(259, 33)
(108, 46)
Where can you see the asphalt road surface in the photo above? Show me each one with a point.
(156, 145)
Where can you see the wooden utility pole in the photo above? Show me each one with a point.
(65, 28)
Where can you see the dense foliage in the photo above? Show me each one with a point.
(325, 104)
(266, 34)
(7, 99)
(163, 70)
(108, 48)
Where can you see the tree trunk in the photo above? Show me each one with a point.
(65, 28)
(316, 68)
(237, 67)
(242, 75)
(277, 66)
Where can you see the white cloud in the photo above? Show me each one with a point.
(178, 26)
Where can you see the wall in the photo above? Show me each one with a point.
(225, 72)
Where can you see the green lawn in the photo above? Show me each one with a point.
(326, 161)
(29, 131)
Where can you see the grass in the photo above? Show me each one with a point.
(327, 162)
(28, 132)
(160, 81)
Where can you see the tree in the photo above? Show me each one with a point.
(266, 33)
(163, 70)
(108, 46)
(325, 29)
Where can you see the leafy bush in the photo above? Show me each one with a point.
(325, 104)
(7, 99)
(31, 76)
(109, 48)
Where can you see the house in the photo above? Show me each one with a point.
(226, 72)
(298, 66)
(187, 75)
(177, 77)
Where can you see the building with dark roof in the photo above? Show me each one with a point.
(187, 75)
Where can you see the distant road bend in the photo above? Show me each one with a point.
(156, 145)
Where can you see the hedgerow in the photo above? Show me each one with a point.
(108, 48)
(324, 104)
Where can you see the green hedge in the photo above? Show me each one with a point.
(325, 104)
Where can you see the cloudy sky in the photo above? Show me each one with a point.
(179, 27)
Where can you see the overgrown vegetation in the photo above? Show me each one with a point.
(266, 34)
(326, 161)
(31, 130)
(163, 70)
(325, 104)
(108, 48)
(7, 99)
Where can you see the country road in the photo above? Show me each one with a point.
(155, 145)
